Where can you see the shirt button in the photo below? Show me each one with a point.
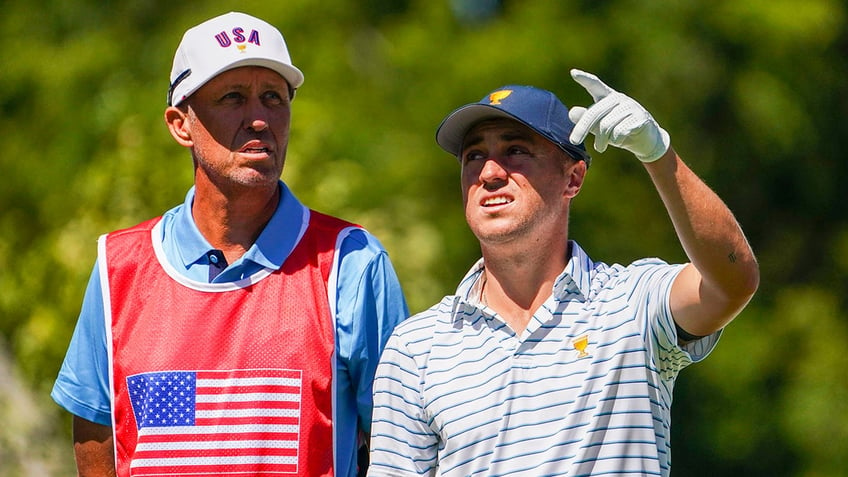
(213, 258)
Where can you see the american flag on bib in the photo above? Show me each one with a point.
(216, 422)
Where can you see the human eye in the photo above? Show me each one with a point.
(471, 156)
(517, 151)
(231, 97)
(273, 97)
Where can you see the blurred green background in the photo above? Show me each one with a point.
(753, 93)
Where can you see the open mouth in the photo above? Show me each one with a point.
(256, 150)
(495, 201)
(255, 147)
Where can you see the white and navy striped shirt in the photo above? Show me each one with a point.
(585, 390)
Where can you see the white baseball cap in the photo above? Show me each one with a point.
(223, 43)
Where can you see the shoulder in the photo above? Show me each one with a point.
(125, 246)
(634, 271)
(353, 235)
(143, 227)
(173, 217)
(417, 331)
(650, 270)
(322, 220)
(641, 272)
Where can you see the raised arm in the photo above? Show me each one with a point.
(723, 274)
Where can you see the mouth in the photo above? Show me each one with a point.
(496, 201)
(255, 147)
(255, 150)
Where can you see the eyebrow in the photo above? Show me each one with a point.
(516, 134)
(240, 84)
(267, 86)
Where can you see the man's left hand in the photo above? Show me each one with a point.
(616, 119)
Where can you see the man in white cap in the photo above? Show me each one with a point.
(238, 333)
(545, 362)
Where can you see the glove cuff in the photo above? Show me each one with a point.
(662, 144)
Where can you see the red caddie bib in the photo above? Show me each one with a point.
(230, 379)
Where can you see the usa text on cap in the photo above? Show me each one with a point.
(223, 43)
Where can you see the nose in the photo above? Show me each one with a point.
(493, 172)
(258, 125)
(256, 117)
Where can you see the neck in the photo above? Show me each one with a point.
(518, 284)
(232, 221)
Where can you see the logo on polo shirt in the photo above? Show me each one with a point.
(580, 344)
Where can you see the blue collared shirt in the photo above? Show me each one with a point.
(370, 303)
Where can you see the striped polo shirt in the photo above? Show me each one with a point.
(586, 389)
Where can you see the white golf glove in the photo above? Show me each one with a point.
(616, 119)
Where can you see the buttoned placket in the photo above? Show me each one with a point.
(217, 263)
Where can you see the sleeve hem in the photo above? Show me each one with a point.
(68, 403)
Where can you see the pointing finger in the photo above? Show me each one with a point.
(591, 83)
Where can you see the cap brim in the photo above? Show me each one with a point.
(455, 126)
(451, 132)
(290, 73)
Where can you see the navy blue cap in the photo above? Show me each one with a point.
(538, 109)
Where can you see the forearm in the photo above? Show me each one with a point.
(93, 449)
(727, 271)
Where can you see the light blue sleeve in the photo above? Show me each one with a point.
(82, 386)
(370, 303)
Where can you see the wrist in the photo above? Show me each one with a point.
(661, 146)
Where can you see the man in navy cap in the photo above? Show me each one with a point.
(545, 362)
(238, 333)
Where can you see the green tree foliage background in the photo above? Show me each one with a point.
(753, 92)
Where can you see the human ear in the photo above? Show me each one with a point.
(178, 125)
(576, 173)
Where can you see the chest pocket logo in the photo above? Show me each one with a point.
(580, 344)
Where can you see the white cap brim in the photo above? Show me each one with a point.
(225, 42)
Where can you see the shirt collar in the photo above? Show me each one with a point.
(574, 279)
(272, 247)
